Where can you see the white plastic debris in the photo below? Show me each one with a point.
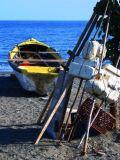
(106, 85)
(84, 68)
(82, 71)
(97, 86)
(114, 82)
(92, 63)
(101, 89)
(112, 96)
(112, 70)
(100, 52)
(93, 49)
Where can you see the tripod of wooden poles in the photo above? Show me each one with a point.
(64, 96)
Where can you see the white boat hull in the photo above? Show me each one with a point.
(34, 83)
(25, 81)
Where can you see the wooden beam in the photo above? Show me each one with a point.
(99, 108)
(88, 128)
(77, 46)
(53, 112)
(45, 109)
(33, 52)
(71, 107)
(36, 60)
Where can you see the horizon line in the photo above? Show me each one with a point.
(39, 20)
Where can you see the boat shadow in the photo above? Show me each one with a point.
(26, 134)
(10, 87)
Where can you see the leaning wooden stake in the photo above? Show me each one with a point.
(88, 129)
(71, 107)
(75, 123)
(84, 33)
(81, 38)
(88, 35)
(64, 111)
(39, 121)
(100, 107)
(53, 112)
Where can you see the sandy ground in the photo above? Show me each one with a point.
(19, 111)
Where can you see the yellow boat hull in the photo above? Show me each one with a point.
(34, 78)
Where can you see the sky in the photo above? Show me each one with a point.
(46, 9)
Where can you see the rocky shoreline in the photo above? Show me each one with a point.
(19, 111)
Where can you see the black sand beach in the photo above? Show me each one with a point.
(19, 111)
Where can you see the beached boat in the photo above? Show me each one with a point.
(35, 65)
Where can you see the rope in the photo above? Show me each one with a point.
(105, 39)
(106, 8)
(100, 107)
(88, 126)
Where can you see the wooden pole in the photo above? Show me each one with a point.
(104, 41)
(84, 33)
(80, 40)
(100, 107)
(71, 107)
(33, 52)
(88, 129)
(67, 97)
(88, 35)
(102, 19)
(117, 63)
(36, 60)
(53, 112)
(89, 29)
(93, 20)
(75, 123)
(39, 121)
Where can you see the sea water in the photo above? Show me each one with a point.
(61, 35)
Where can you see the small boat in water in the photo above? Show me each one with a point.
(35, 65)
